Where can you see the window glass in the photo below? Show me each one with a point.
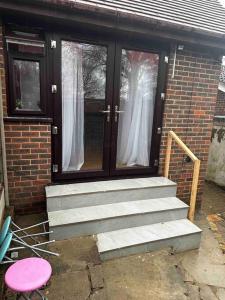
(83, 102)
(94, 71)
(26, 85)
(139, 73)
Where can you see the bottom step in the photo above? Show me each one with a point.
(181, 235)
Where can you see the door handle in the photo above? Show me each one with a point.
(117, 112)
(107, 112)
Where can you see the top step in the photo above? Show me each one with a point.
(103, 192)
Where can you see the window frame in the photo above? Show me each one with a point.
(41, 59)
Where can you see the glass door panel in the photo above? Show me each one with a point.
(83, 77)
(135, 110)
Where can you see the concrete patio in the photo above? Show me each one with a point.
(79, 274)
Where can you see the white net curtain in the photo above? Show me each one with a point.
(72, 106)
(139, 81)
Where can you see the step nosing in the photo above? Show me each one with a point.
(147, 234)
(123, 203)
(119, 216)
(147, 242)
(108, 191)
(64, 190)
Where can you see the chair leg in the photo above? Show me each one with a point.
(19, 296)
(23, 243)
(35, 249)
(23, 230)
(28, 227)
(36, 245)
(34, 234)
(7, 260)
(40, 294)
(25, 297)
(29, 297)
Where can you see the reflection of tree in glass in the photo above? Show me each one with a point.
(27, 84)
(94, 71)
(93, 67)
(135, 63)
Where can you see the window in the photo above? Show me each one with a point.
(27, 74)
(26, 77)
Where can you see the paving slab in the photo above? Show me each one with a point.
(96, 276)
(193, 292)
(69, 286)
(220, 293)
(79, 249)
(147, 276)
(99, 295)
(206, 293)
(206, 266)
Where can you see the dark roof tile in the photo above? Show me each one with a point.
(203, 16)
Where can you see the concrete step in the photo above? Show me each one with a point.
(180, 235)
(76, 195)
(101, 218)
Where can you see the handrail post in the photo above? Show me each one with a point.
(168, 154)
(194, 188)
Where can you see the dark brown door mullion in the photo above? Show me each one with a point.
(116, 96)
(57, 109)
(158, 112)
(109, 104)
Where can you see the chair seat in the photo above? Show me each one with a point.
(29, 274)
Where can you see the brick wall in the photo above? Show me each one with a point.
(189, 110)
(28, 147)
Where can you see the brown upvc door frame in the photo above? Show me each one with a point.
(57, 109)
(152, 169)
(115, 46)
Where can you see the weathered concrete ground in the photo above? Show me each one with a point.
(194, 275)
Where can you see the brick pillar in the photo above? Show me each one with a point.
(28, 147)
(189, 109)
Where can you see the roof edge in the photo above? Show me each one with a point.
(113, 20)
(98, 8)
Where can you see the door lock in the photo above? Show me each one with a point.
(117, 112)
(107, 112)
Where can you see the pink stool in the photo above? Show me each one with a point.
(27, 276)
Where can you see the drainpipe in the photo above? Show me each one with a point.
(2, 133)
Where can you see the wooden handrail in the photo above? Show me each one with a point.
(172, 136)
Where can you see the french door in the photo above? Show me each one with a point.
(108, 102)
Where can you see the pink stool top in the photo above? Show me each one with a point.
(28, 274)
